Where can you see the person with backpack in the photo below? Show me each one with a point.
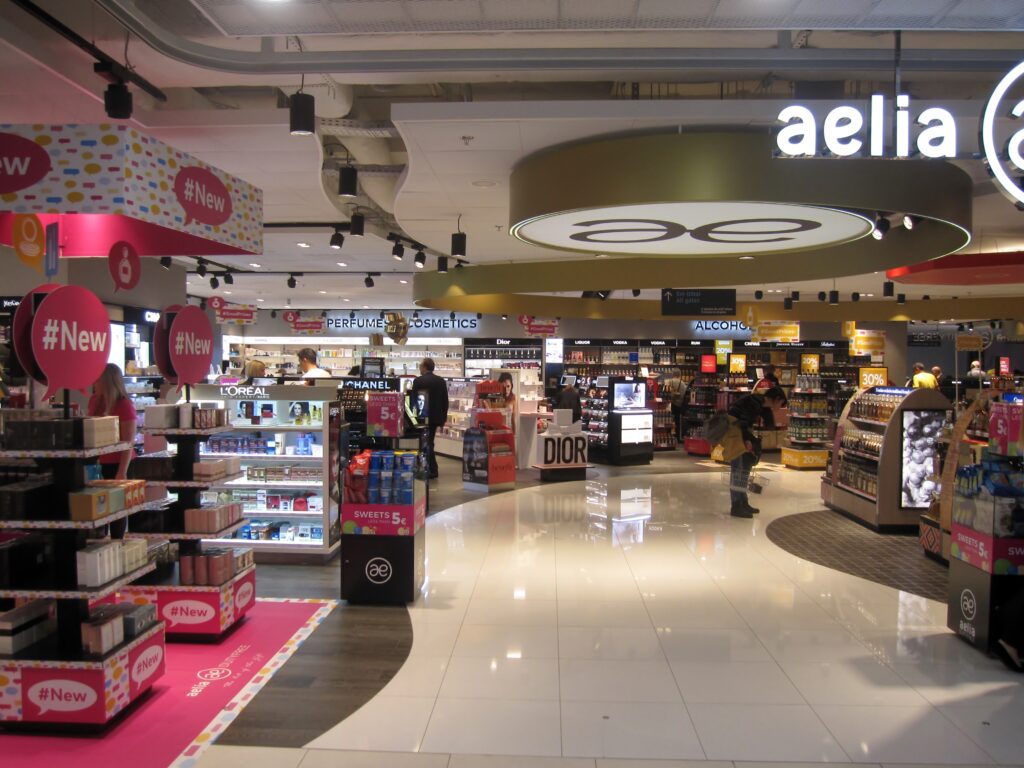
(741, 448)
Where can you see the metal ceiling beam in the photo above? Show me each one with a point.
(548, 59)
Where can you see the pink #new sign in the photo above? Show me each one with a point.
(190, 345)
(71, 338)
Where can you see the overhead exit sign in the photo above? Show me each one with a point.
(698, 302)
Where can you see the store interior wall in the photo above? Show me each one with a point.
(157, 287)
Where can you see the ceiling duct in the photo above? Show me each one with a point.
(366, 129)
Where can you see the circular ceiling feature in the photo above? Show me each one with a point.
(721, 228)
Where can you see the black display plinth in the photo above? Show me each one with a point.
(382, 570)
(975, 597)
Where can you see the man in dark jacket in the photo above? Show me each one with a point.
(437, 408)
(748, 411)
(569, 400)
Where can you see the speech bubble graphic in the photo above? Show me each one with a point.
(203, 196)
(28, 237)
(21, 330)
(123, 263)
(70, 338)
(216, 303)
(22, 163)
(291, 316)
(188, 612)
(161, 334)
(147, 664)
(190, 345)
(61, 695)
(244, 595)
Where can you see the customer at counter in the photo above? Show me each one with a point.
(308, 366)
(569, 400)
(437, 408)
(922, 379)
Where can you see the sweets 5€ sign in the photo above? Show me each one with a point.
(846, 131)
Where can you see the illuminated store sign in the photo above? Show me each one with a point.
(426, 323)
(846, 131)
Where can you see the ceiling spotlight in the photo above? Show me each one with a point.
(348, 181)
(229, 279)
(214, 282)
(323, 314)
(926, 297)
(416, 315)
(351, 314)
(337, 239)
(794, 295)
(458, 244)
(420, 260)
(479, 316)
(398, 251)
(368, 282)
(960, 327)
(254, 265)
(117, 101)
(403, 281)
(302, 114)
(992, 324)
(901, 298)
(833, 297)
(888, 289)
(442, 265)
(821, 295)
(356, 225)
(881, 228)
(451, 315)
(202, 304)
(636, 293)
(165, 262)
(381, 315)
(504, 316)
(787, 303)
(342, 263)
(273, 313)
(291, 281)
(304, 245)
(970, 327)
(459, 263)
(909, 222)
(201, 267)
(746, 258)
(855, 296)
(758, 295)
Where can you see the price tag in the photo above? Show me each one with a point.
(384, 415)
(873, 377)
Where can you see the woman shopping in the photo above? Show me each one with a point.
(110, 398)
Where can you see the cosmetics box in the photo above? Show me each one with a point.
(185, 411)
(26, 561)
(104, 631)
(202, 572)
(100, 431)
(152, 467)
(136, 618)
(28, 499)
(22, 626)
(99, 562)
(186, 570)
(160, 416)
(232, 465)
(204, 470)
(89, 504)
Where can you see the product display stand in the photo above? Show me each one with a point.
(701, 400)
(808, 435)
(986, 555)
(91, 689)
(190, 610)
(886, 456)
(489, 445)
(561, 450)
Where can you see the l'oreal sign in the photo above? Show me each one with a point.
(845, 130)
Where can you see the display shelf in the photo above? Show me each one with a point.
(176, 432)
(198, 610)
(275, 545)
(79, 525)
(182, 536)
(77, 453)
(864, 420)
(818, 416)
(48, 650)
(855, 492)
(281, 513)
(209, 483)
(278, 457)
(170, 582)
(859, 454)
(808, 441)
(82, 593)
(294, 484)
(796, 391)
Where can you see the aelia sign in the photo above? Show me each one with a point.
(720, 228)
(846, 131)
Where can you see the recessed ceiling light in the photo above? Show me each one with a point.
(324, 292)
(485, 183)
(346, 299)
(303, 245)
(366, 306)
(870, 295)
(254, 265)
(260, 299)
(746, 258)
(227, 293)
(342, 264)
(404, 282)
(602, 255)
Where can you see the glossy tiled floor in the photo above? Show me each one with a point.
(631, 619)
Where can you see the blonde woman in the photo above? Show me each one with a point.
(254, 369)
(110, 398)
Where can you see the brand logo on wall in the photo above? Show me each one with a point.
(423, 323)
(846, 131)
(694, 229)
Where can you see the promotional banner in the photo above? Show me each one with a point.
(124, 266)
(873, 377)
(304, 326)
(124, 185)
(70, 338)
(190, 345)
(424, 322)
(776, 330)
(385, 416)
(723, 348)
(969, 342)
(161, 350)
(864, 342)
(226, 313)
(810, 364)
(737, 363)
(538, 326)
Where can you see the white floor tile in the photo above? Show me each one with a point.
(509, 761)
(250, 757)
(627, 643)
(480, 726)
(812, 644)
(527, 613)
(636, 729)
(389, 723)
(603, 613)
(997, 727)
(948, 684)
(900, 735)
(504, 641)
(852, 682)
(773, 732)
(589, 680)
(420, 676)
(631, 763)
(757, 682)
(430, 639)
(501, 678)
(682, 643)
(329, 758)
